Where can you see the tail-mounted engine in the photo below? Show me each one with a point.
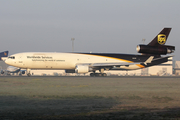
(156, 50)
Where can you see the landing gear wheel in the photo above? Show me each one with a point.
(28, 74)
(92, 74)
(98, 74)
(104, 74)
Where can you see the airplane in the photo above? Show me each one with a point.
(13, 70)
(92, 62)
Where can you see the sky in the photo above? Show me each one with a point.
(103, 26)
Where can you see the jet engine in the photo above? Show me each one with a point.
(23, 72)
(157, 50)
(82, 69)
(2, 72)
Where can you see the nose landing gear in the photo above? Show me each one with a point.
(28, 72)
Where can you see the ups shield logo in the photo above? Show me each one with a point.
(161, 39)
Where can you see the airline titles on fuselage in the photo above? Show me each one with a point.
(43, 58)
(40, 57)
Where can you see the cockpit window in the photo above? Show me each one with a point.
(11, 57)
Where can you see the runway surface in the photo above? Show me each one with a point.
(11, 76)
(86, 98)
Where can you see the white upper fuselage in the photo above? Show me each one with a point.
(42, 60)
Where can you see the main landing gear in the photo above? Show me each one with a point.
(98, 74)
(101, 74)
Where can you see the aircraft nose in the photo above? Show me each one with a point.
(7, 61)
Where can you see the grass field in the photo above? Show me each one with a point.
(89, 98)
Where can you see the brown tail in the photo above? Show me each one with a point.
(156, 46)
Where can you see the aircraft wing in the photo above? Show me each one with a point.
(127, 66)
(118, 64)
(110, 64)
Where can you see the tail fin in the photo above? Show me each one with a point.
(156, 46)
(161, 38)
(4, 54)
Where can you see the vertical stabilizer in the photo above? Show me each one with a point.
(161, 38)
(156, 46)
(3, 54)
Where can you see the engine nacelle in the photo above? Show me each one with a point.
(2, 72)
(162, 50)
(82, 69)
(23, 72)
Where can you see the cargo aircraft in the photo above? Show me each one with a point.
(151, 54)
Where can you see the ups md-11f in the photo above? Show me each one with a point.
(96, 63)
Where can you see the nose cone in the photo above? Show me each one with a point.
(7, 61)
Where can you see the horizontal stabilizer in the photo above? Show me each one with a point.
(149, 60)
